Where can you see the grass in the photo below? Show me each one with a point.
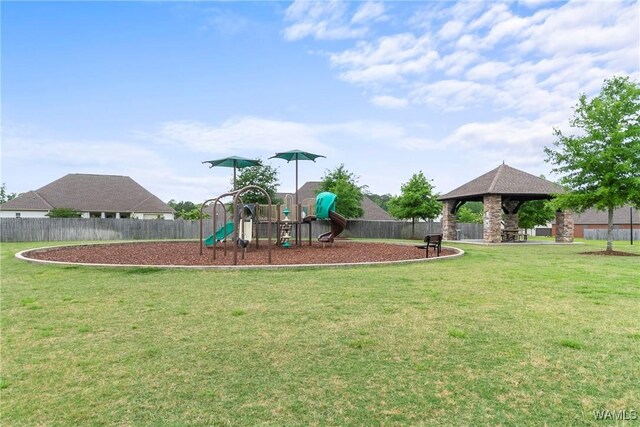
(507, 335)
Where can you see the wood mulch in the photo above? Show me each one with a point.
(610, 253)
(188, 253)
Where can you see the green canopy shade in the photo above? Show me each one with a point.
(296, 155)
(234, 162)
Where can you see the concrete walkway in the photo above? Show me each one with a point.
(527, 243)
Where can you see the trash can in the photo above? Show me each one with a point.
(458, 234)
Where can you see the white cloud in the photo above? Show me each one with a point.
(475, 53)
(585, 26)
(58, 157)
(517, 141)
(391, 102)
(325, 20)
(396, 49)
(505, 132)
(238, 134)
(510, 28)
(535, 3)
(490, 70)
(369, 11)
(453, 95)
(496, 13)
(457, 62)
(76, 154)
(466, 10)
(321, 30)
(451, 29)
(387, 135)
(251, 134)
(389, 59)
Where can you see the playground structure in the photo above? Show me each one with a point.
(241, 228)
(322, 207)
(287, 217)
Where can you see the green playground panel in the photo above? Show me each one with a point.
(325, 203)
(222, 232)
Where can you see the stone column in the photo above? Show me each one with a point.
(449, 220)
(492, 218)
(511, 217)
(564, 227)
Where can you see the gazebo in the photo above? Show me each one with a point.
(502, 190)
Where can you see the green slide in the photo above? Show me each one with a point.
(220, 234)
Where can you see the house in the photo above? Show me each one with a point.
(372, 212)
(95, 196)
(593, 219)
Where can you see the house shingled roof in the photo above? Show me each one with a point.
(504, 180)
(90, 193)
(620, 216)
(29, 201)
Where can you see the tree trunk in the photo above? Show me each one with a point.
(610, 230)
(413, 228)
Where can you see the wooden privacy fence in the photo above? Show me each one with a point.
(69, 229)
(618, 234)
(60, 229)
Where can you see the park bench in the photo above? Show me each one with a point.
(431, 241)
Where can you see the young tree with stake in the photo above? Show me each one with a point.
(600, 166)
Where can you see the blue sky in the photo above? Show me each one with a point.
(152, 89)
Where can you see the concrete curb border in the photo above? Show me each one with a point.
(23, 256)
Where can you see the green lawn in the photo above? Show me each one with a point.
(508, 335)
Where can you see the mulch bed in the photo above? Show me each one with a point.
(188, 253)
(610, 253)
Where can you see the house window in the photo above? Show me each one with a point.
(95, 215)
(124, 215)
(18, 214)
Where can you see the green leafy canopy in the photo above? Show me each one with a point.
(182, 208)
(600, 166)
(344, 185)
(535, 212)
(416, 200)
(64, 213)
(470, 214)
(265, 177)
(4, 195)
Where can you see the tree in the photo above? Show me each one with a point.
(182, 208)
(535, 212)
(344, 184)
(600, 166)
(265, 177)
(4, 196)
(64, 213)
(470, 213)
(194, 214)
(415, 201)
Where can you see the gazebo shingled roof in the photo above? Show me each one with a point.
(502, 192)
(507, 181)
